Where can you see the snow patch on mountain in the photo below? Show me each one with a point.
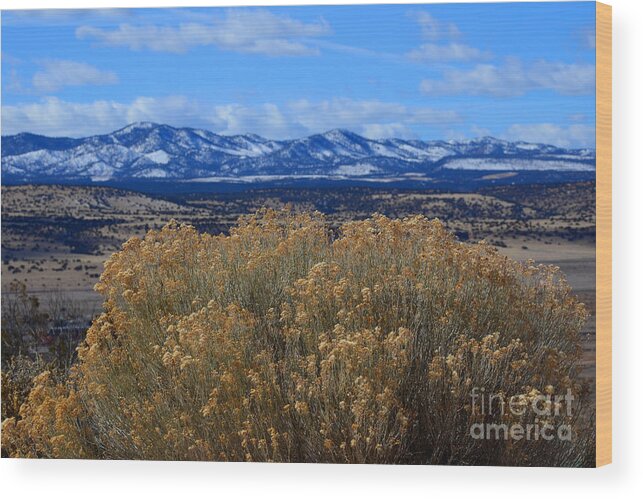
(515, 164)
(152, 173)
(357, 169)
(160, 157)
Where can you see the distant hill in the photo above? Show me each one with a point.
(153, 151)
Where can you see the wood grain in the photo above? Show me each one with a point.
(603, 234)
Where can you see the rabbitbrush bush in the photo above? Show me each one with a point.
(286, 342)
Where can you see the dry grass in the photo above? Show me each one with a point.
(286, 342)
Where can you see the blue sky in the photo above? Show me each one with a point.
(520, 71)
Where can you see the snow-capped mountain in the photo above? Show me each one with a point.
(149, 150)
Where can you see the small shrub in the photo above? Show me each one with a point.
(283, 342)
(23, 321)
(18, 374)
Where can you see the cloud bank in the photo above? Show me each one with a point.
(255, 32)
(514, 79)
(576, 135)
(377, 119)
(59, 73)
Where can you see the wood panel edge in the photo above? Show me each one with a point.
(603, 234)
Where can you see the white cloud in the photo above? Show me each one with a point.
(268, 120)
(431, 52)
(61, 73)
(255, 31)
(514, 79)
(568, 79)
(377, 119)
(372, 118)
(448, 49)
(433, 29)
(576, 135)
(364, 116)
(55, 117)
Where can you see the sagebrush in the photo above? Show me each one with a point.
(286, 341)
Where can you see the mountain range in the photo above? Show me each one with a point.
(154, 151)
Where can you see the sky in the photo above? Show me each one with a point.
(517, 71)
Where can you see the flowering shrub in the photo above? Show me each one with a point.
(18, 374)
(286, 342)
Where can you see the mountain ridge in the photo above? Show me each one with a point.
(146, 150)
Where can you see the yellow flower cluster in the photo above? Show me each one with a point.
(286, 342)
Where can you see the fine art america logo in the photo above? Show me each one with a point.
(540, 409)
